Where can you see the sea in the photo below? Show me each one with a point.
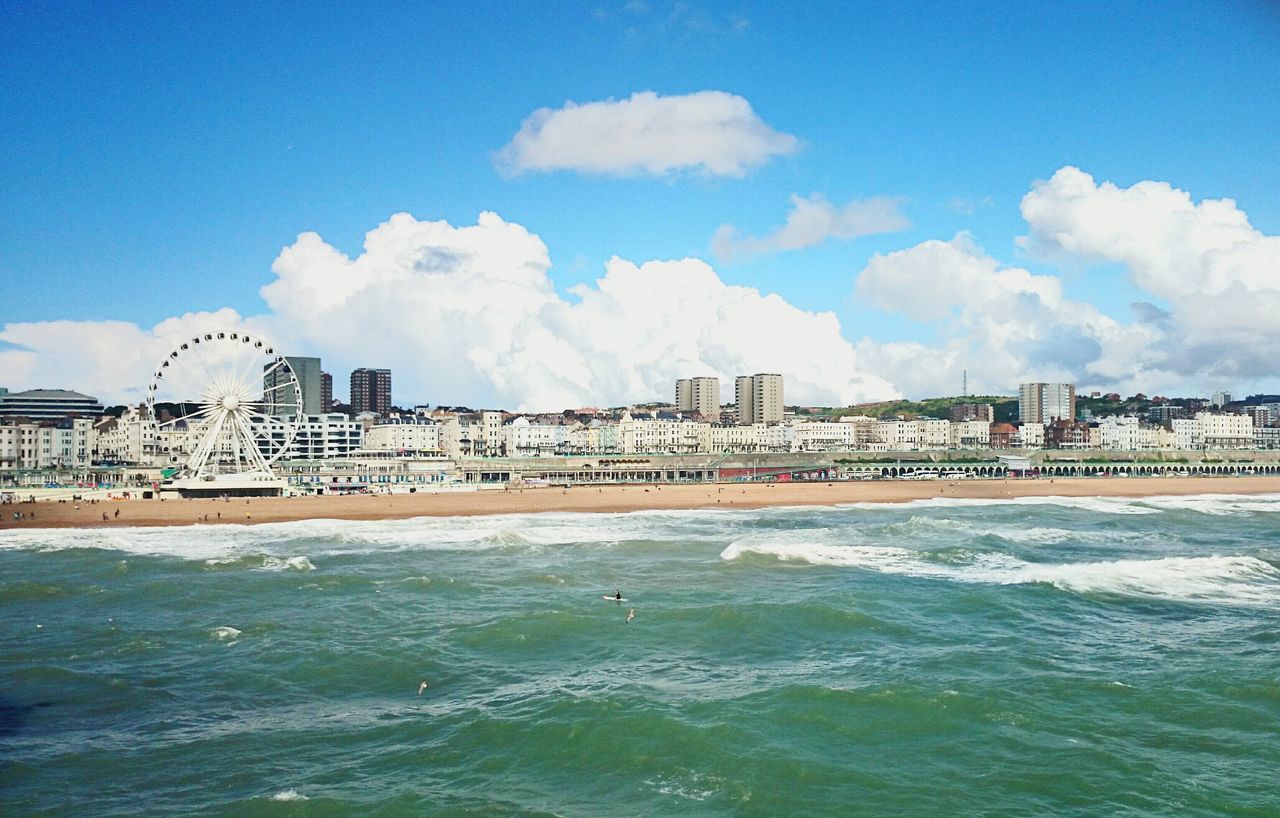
(1042, 656)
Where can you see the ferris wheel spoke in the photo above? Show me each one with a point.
(251, 453)
(204, 365)
(171, 428)
(202, 411)
(280, 387)
(244, 368)
(280, 361)
(277, 434)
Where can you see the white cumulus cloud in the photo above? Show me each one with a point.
(1003, 324)
(468, 315)
(1217, 277)
(813, 220)
(1171, 245)
(111, 360)
(714, 132)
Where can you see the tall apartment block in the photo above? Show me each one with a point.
(326, 392)
(371, 391)
(1046, 402)
(701, 395)
(280, 398)
(759, 398)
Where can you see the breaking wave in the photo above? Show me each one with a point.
(1239, 578)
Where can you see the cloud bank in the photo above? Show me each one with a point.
(812, 221)
(711, 132)
(468, 314)
(1216, 277)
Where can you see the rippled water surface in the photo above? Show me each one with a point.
(1042, 656)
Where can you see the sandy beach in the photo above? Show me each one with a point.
(52, 514)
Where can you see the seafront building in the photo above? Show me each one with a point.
(326, 436)
(410, 434)
(48, 404)
(371, 391)
(64, 444)
(694, 438)
(326, 392)
(759, 398)
(280, 393)
(1046, 402)
(972, 411)
(1213, 431)
(701, 395)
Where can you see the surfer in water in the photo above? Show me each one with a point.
(617, 594)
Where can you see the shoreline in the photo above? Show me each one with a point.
(600, 499)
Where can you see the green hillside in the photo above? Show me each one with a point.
(1005, 408)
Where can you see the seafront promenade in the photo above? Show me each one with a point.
(601, 499)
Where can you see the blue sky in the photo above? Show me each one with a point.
(156, 158)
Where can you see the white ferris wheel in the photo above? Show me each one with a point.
(225, 406)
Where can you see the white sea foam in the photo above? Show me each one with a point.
(1102, 505)
(1218, 504)
(1204, 503)
(288, 795)
(299, 563)
(231, 543)
(1234, 578)
(218, 544)
(224, 632)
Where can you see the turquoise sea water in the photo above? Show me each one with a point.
(1040, 657)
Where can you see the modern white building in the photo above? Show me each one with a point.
(48, 404)
(759, 398)
(322, 436)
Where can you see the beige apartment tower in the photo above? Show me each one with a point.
(759, 399)
(701, 395)
(1046, 402)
